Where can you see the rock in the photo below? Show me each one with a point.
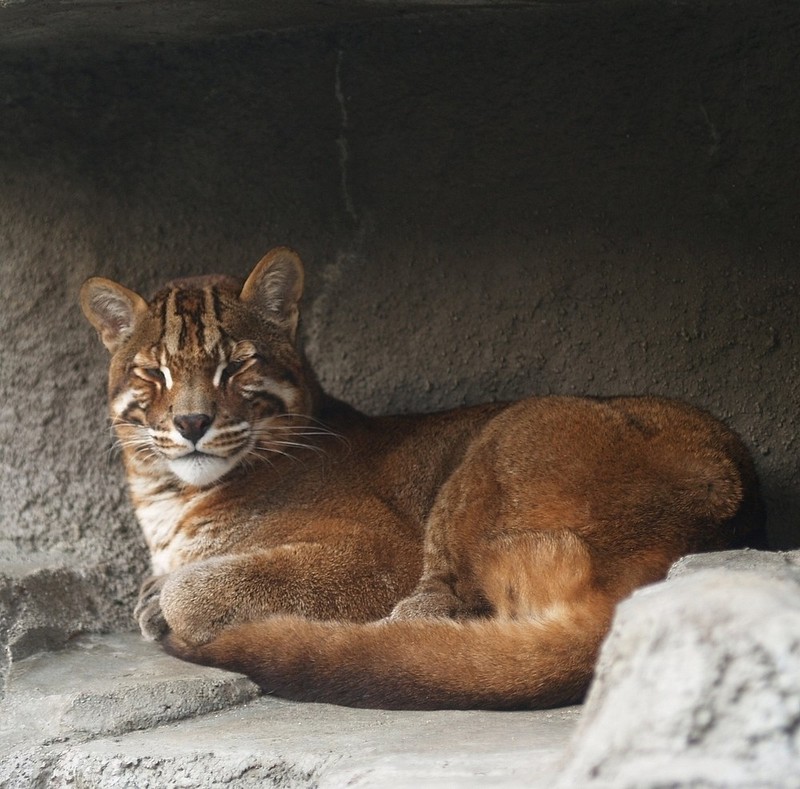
(775, 564)
(698, 684)
(100, 686)
(48, 598)
(113, 684)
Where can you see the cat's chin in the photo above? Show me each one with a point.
(201, 470)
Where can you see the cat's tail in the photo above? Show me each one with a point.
(414, 664)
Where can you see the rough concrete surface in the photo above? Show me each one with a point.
(272, 743)
(777, 564)
(72, 718)
(129, 684)
(47, 598)
(698, 685)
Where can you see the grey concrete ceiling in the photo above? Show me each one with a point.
(108, 22)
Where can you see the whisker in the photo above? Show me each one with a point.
(307, 418)
(312, 447)
(262, 453)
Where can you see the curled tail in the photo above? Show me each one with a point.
(412, 664)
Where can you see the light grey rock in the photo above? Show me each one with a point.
(698, 685)
(775, 564)
(113, 684)
(100, 685)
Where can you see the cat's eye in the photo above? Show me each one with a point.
(227, 370)
(150, 374)
(154, 375)
(233, 367)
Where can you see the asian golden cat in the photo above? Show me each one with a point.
(465, 559)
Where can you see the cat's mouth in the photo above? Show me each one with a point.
(201, 469)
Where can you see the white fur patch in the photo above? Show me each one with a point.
(218, 374)
(167, 376)
(160, 518)
(202, 463)
(122, 401)
(201, 469)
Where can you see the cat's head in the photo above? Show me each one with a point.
(207, 373)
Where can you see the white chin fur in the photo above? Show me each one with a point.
(200, 470)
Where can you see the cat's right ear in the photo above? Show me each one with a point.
(112, 309)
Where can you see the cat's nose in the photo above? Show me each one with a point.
(192, 426)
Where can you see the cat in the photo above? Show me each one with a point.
(466, 559)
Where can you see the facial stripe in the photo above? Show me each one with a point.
(217, 305)
(277, 406)
(168, 337)
(280, 397)
(191, 319)
(167, 376)
(123, 402)
(212, 319)
(218, 374)
(189, 309)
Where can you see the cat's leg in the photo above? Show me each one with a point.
(487, 553)
(346, 581)
(460, 520)
(539, 575)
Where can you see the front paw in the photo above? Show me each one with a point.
(148, 611)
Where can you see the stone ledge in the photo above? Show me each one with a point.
(48, 598)
(70, 718)
(775, 564)
(698, 684)
(104, 685)
(274, 743)
(269, 742)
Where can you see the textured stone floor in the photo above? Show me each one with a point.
(115, 711)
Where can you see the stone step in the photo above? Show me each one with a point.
(698, 684)
(111, 684)
(269, 742)
(115, 711)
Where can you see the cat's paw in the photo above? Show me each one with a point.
(426, 605)
(200, 600)
(148, 611)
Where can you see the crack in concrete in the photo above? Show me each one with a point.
(341, 140)
(713, 132)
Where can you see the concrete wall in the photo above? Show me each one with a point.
(574, 198)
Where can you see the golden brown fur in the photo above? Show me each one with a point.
(491, 542)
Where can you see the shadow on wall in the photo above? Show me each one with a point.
(578, 199)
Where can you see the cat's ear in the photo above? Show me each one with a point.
(112, 309)
(274, 288)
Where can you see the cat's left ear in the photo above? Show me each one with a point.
(275, 286)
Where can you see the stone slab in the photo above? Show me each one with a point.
(49, 597)
(104, 713)
(110, 685)
(775, 564)
(270, 742)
